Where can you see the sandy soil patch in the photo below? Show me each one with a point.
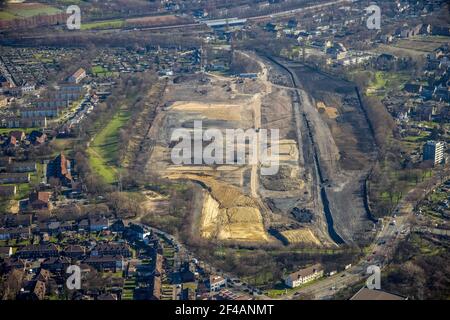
(305, 236)
(236, 223)
(227, 213)
(331, 112)
(210, 110)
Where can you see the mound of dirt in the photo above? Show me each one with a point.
(236, 223)
(227, 213)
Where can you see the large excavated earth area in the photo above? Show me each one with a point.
(239, 203)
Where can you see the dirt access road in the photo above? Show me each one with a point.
(256, 103)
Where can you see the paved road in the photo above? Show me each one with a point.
(394, 229)
(182, 253)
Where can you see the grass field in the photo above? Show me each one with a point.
(5, 15)
(26, 10)
(423, 136)
(102, 72)
(422, 43)
(128, 289)
(384, 81)
(103, 150)
(108, 24)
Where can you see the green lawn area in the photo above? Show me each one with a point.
(259, 279)
(438, 196)
(127, 295)
(107, 24)
(385, 196)
(97, 69)
(386, 81)
(102, 72)
(26, 130)
(281, 289)
(117, 274)
(422, 43)
(23, 189)
(5, 15)
(425, 246)
(397, 184)
(168, 253)
(418, 138)
(190, 285)
(63, 145)
(40, 57)
(26, 10)
(103, 150)
(128, 289)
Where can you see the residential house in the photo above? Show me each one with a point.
(98, 224)
(103, 249)
(304, 275)
(74, 251)
(216, 283)
(51, 103)
(20, 167)
(54, 227)
(40, 112)
(37, 137)
(19, 135)
(37, 288)
(83, 225)
(13, 263)
(67, 226)
(12, 142)
(56, 264)
(138, 232)
(9, 178)
(105, 263)
(19, 122)
(5, 162)
(15, 233)
(412, 88)
(39, 200)
(38, 251)
(77, 76)
(68, 91)
(8, 191)
(118, 226)
(60, 168)
(17, 220)
(6, 252)
(33, 290)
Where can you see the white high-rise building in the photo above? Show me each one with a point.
(434, 151)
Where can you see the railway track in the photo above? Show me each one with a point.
(318, 176)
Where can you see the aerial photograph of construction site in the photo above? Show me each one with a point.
(240, 150)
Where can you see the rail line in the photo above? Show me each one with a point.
(323, 193)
